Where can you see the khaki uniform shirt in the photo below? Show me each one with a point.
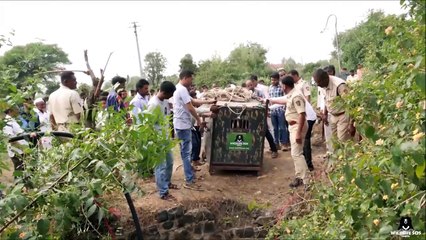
(336, 87)
(64, 105)
(295, 105)
(303, 87)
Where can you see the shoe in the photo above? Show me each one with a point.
(173, 186)
(192, 186)
(274, 154)
(168, 196)
(297, 182)
(286, 148)
(278, 146)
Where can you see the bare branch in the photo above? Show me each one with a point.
(89, 69)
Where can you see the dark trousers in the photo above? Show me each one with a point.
(307, 150)
(196, 144)
(286, 131)
(18, 164)
(270, 139)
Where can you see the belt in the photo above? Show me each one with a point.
(337, 114)
(291, 123)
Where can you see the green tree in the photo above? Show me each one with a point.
(382, 178)
(155, 64)
(247, 59)
(187, 63)
(214, 71)
(33, 59)
(51, 86)
(172, 78)
(131, 84)
(309, 68)
(84, 90)
(354, 42)
(290, 64)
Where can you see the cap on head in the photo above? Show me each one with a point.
(38, 100)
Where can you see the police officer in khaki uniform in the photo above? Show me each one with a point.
(298, 127)
(334, 88)
(301, 85)
(65, 104)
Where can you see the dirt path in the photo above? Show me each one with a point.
(267, 189)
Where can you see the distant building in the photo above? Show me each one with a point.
(275, 67)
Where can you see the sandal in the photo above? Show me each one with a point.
(198, 163)
(168, 197)
(173, 186)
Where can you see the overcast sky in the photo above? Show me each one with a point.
(174, 28)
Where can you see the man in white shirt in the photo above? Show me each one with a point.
(260, 87)
(140, 101)
(43, 116)
(259, 95)
(352, 77)
(65, 103)
(182, 112)
(163, 172)
(16, 149)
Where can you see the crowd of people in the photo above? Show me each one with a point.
(290, 120)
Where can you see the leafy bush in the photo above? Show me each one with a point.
(382, 178)
(68, 182)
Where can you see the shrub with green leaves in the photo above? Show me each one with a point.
(381, 179)
(69, 182)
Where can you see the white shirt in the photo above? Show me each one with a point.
(181, 115)
(44, 118)
(199, 94)
(139, 105)
(156, 103)
(321, 99)
(352, 79)
(46, 142)
(264, 89)
(311, 115)
(309, 110)
(12, 129)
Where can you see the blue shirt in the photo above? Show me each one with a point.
(112, 100)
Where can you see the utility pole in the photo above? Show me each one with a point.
(137, 45)
(337, 40)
